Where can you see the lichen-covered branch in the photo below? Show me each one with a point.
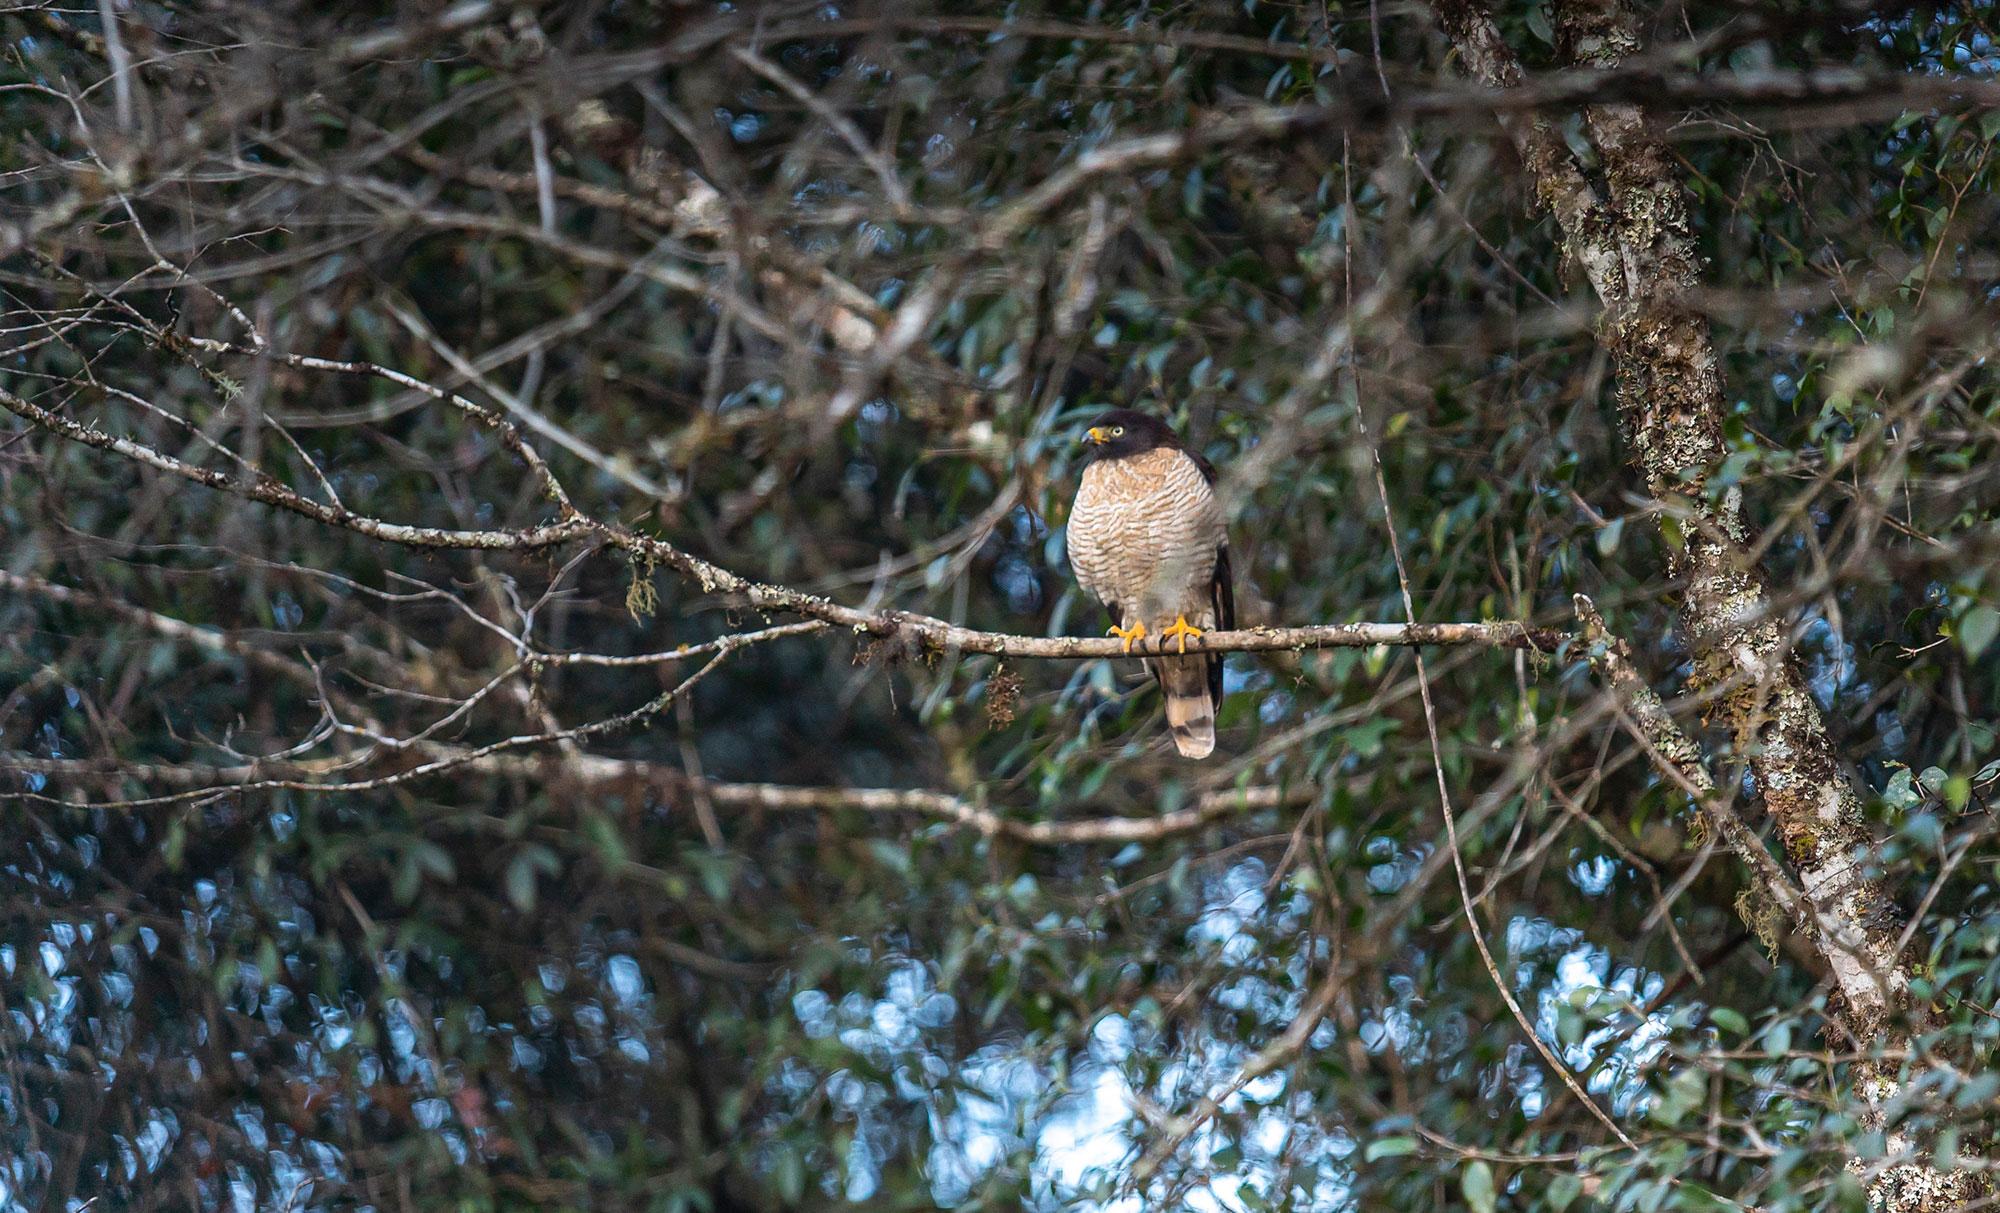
(1670, 400)
(1676, 756)
(1634, 243)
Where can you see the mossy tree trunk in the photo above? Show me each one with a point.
(1628, 232)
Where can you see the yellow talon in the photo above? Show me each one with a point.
(1181, 630)
(1136, 632)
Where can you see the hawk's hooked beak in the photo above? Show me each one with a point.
(1094, 435)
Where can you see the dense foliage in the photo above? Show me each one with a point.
(823, 294)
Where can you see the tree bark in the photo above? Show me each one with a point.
(1633, 241)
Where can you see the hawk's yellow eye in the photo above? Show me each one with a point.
(1117, 431)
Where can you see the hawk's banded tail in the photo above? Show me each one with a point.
(1190, 701)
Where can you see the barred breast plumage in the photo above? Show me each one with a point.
(1143, 535)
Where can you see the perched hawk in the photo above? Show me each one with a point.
(1146, 539)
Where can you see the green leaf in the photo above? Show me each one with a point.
(176, 844)
(790, 1174)
(520, 882)
(1477, 1183)
(1389, 1147)
(717, 873)
(408, 879)
(1977, 630)
(1978, 1092)
(434, 859)
(1563, 1191)
(1538, 24)
(1609, 535)
(1670, 527)
(1729, 1020)
(604, 836)
(1569, 1025)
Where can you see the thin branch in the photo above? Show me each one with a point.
(261, 487)
(839, 123)
(1287, 1045)
(1500, 983)
(596, 770)
(121, 64)
(680, 653)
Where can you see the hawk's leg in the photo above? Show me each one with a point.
(1181, 630)
(1128, 635)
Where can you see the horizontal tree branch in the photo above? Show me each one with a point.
(944, 806)
(600, 771)
(937, 634)
(928, 633)
(920, 632)
(1660, 80)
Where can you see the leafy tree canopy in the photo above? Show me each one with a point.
(462, 466)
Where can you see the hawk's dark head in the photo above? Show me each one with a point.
(1123, 432)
